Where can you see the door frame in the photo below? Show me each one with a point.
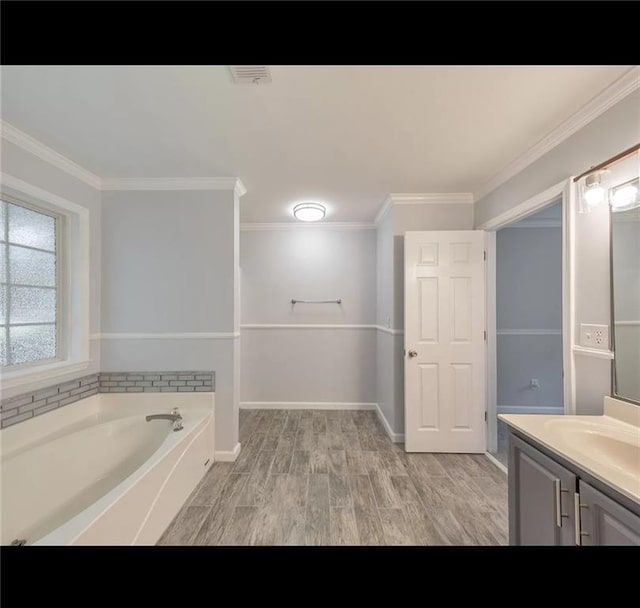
(566, 192)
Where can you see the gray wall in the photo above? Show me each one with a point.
(529, 297)
(612, 132)
(390, 359)
(278, 265)
(37, 172)
(167, 262)
(308, 364)
(169, 267)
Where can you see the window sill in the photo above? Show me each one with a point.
(45, 372)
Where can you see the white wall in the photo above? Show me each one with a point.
(24, 165)
(306, 364)
(529, 297)
(169, 267)
(612, 132)
(390, 360)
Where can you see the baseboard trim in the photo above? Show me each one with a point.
(305, 405)
(395, 437)
(534, 409)
(495, 461)
(227, 456)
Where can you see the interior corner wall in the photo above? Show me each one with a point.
(168, 268)
(615, 130)
(35, 171)
(289, 356)
(388, 341)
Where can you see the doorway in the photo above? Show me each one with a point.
(562, 193)
(529, 324)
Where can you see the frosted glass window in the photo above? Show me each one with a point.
(3, 344)
(32, 305)
(32, 267)
(31, 228)
(3, 213)
(32, 343)
(3, 304)
(28, 285)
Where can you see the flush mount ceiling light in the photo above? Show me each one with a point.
(593, 186)
(309, 211)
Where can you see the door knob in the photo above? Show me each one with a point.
(412, 354)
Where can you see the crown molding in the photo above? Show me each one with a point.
(174, 183)
(425, 198)
(433, 198)
(307, 226)
(617, 91)
(37, 148)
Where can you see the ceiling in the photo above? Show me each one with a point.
(345, 135)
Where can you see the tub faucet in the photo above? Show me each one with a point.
(174, 416)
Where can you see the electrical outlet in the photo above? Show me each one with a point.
(594, 336)
(535, 383)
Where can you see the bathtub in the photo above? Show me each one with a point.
(97, 473)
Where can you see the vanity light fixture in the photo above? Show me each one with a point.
(309, 211)
(625, 196)
(594, 190)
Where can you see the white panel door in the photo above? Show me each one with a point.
(445, 351)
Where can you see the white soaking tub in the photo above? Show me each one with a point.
(97, 473)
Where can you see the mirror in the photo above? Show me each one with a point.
(625, 286)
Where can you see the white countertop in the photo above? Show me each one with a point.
(605, 446)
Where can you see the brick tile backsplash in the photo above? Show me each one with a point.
(23, 407)
(155, 382)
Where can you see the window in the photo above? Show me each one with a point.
(29, 285)
(45, 258)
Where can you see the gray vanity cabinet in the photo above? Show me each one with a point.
(604, 522)
(541, 510)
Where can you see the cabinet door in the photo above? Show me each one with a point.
(540, 498)
(604, 522)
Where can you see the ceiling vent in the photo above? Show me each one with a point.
(250, 74)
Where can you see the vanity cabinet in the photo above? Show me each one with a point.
(604, 522)
(550, 504)
(540, 498)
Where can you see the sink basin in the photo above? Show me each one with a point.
(616, 446)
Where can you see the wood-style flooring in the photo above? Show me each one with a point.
(335, 478)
